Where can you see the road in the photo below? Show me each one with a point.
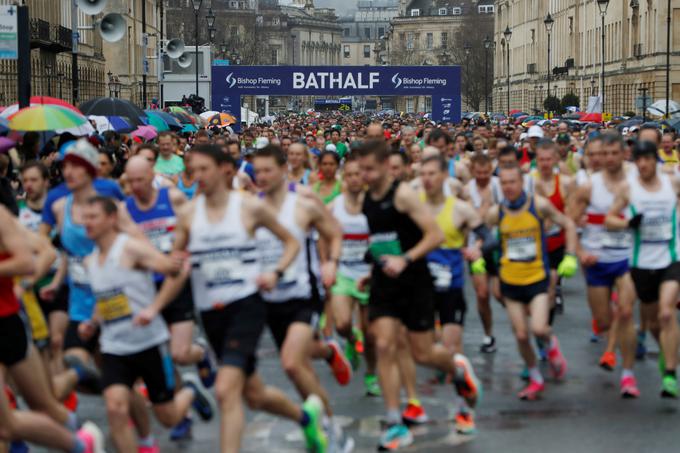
(584, 413)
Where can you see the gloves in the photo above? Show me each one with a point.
(635, 221)
(567, 268)
(478, 266)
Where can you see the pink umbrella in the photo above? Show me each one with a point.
(148, 133)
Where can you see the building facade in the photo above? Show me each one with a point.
(635, 52)
(363, 31)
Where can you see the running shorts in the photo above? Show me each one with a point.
(648, 281)
(234, 331)
(181, 308)
(555, 257)
(58, 303)
(451, 306)
(281, 315)
(605, 274)
(154, 366)
(15, 339)
(525, 293)
(72, 339)
(345, 286)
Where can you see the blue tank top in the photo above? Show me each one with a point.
(157, 223)
(452, 168)
(188, 191)
(77, 245)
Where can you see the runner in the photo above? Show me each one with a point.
(120, 275)
(402, 233)
(604, 256)
(297, 159)
(218, 229)
(652, 198)
(524, 272)
(329, 186)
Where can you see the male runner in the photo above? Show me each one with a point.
(652, 198)
(218, 228)
(120, 275)
(604, 255)
(524, 273)
(402, 233)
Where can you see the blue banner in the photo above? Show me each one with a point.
(442, 83)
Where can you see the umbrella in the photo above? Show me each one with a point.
(221, 120)
(659, 108)
(4, 126)
(38, 100)
(114, 107)
(6, 144)
(170, 120)
(209, 114)
(176, 109)
(157, 122)
(189, 128)
(592, 118)
(111, 123)
(183, 118)
(148, 133)
(673, 123)
(49, 118)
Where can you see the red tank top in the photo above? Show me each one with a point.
(556, 237)
(9, 305)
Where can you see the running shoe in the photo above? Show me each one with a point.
(394, 438)
(669, 387)
(339, 364)
(201, 403)
(608, 361)
(91, 436)
(352, 355)
(465, 422)
(467, 384)
(155, 448)
(488, 345)
(629, 388)
(640, 349)
(88, 376)
(558, 364)
(524, 374)
(182, 431)
(358, 339)
(414, 414)
(315, 437)
(372, 386)
(207, 367)
(338, 441)
(532, 391)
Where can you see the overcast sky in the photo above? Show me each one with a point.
(341, 6)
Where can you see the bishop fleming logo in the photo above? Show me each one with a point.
(231, 80)
(396, 80)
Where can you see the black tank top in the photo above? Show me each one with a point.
(392, 232)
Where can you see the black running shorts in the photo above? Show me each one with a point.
(280, 316)
(15, 339)
(181, 308)
(648, 281)
(450, 306)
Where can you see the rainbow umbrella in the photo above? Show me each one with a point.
(49, 118)
(38, 100)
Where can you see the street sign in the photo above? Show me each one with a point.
(9, 44)
(220, 62)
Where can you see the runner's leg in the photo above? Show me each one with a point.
(117, 399)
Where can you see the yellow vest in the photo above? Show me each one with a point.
(453, 237)
(523, 259)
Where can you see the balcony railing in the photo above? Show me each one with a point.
(51, 36)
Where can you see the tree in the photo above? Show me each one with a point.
(569, 100)
(552, 104)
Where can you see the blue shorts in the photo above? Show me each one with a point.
(605, 274)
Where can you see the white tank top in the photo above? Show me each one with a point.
(655, 244)
(355, 234)
(224, 265)
(295, 283)
(476, 196)
(608, 246)
(121, 293)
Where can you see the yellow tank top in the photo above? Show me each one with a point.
(669, 161)
(35, 315)
(453, 237)
(523, 261)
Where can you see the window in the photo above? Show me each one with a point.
(345, 32)
(275, 21)
(381, 32)
(442, 11)
(456, 11)
(415, 12)
(409, 40)
(367, 33)
(233, 4)
(485, 9)
(409, 105)
(429, 41)
(367, 51)
(402, 38)
(345, 51)
(533, 35)
(233, 31)
(445, 40)
(275, 57)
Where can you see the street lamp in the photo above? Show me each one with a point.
(197, 8)
(508, 34)
(668, 60)
(549, 22)
(487, 46)
(210, 19)
(602, 5)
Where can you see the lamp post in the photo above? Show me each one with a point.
(549, 22)
(197, 8)
(602, 5)
(508, 34)
(644, 90)
(668, 60)
(487, 46)
(210, 19)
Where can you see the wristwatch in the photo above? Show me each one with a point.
(279, 274)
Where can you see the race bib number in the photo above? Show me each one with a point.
(77, 272)
(113, 306)
(441, 274)
(353, 251)
(656, 230)
(222, 271)
(616, 239)
(521, 249)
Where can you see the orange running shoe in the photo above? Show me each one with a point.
(342, 370)
(465, 422)
(414, 414)
(71, 402)
(532, 392)
(608, 361)
(469, 386)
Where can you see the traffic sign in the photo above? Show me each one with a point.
(9, 44)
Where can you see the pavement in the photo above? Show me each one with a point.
(582, 414)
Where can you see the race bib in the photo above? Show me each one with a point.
(222, 272)
(113, 306)
(385, 244)
(77, 272)
(441, 274)
(353, 251)
(616, 239)
(162, 242)
(521, 249)
(656, 230)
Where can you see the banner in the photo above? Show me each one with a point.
(442, 83)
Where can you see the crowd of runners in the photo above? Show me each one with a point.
(349, 239)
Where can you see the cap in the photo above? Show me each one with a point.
(331, 147)
(261, 142)
(523, 135)
(84, 154)
(563, 138)
(535, 131)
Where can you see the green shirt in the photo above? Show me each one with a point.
(169, 167)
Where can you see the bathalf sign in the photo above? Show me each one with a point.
(442, 83)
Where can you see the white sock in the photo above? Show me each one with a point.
(535, 375)
(627, 373)
(147, 441)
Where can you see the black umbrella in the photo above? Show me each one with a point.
(113, 107)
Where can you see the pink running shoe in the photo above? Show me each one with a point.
(154, 449)
(532, 392)
(629, 388)
(558, 364)
(92, 437)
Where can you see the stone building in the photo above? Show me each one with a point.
(635, 52)
(363, 31)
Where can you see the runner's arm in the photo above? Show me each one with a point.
(44, 253)
(550, 212)
(406, 200)
(614, 220)
(15, 244)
